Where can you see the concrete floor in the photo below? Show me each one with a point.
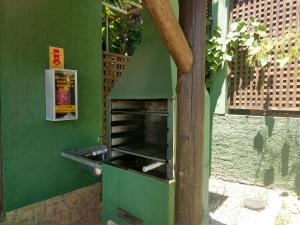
(226, 205)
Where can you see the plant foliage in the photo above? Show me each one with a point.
(252, 38)
(122, 4)
(124, 31)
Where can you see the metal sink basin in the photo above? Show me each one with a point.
(89, 158)
(96, 158)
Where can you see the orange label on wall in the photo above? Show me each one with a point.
(56, 57)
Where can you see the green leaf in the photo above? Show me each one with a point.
(234, 26)
(227, 57)
(249, 42)
(264, 61)
(298, 72)
(243, 29)
(241, 26)
(232, 34)
(253, 50)
(224, 48)
(261, 27)
(282, 60)
(209, 83)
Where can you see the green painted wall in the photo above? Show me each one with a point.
(218, 92)
(206, 157)
(33, 168)
(257, 150)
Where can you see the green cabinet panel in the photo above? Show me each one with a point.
(146, 198)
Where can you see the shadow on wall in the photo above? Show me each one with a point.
(269, 176)
(270, 122)
(258, 142)
(285, 156)
(270, 157)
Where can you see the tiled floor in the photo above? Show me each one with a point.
(81, 207)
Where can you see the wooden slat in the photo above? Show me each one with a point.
(273, 88)
(295, 100)
(289, 76)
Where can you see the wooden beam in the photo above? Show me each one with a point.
(171, 33)
(190, 118)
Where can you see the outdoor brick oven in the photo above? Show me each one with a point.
(140, 136)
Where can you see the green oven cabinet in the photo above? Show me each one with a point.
(146, 198)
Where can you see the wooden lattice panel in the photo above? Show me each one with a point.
(274, 89)
(209, 8)
(113, 66)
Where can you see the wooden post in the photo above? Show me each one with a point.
(171, 33)
(190, 121)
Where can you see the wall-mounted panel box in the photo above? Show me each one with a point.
(61, 95)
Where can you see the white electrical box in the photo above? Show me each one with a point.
(61, 95)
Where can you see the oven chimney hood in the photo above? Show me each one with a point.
(151, 72)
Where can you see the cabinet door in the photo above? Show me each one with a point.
(133, 199)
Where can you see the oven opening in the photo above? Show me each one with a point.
(136, 163)
(140, 136)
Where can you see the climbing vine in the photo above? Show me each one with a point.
(253, 40)
(124, 31)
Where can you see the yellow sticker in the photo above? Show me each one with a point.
(65, 108)
(56, 57)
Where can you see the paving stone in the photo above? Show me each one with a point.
(254, 204)
(284, 194)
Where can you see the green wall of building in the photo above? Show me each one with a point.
(33, 169)
(257, 150)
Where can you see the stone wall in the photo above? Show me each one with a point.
(257, 150)
(80, 207)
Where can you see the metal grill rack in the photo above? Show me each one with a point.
(141, 131)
